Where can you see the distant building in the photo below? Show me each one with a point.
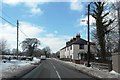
(76, 48)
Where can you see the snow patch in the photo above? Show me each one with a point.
(113, 72)
(12, 66)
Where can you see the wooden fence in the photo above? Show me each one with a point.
(100, 65)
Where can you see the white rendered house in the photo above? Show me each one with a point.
(75, 48)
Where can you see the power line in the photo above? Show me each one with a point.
(3, 13)
(8, 16)
(7, 21)
(12, 25)
(23, 32)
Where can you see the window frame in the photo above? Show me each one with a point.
(82, 46)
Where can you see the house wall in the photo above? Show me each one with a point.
(76, 50)
(62, 53)
(67, 52)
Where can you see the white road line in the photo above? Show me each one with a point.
(53, 65)
(56, 71)
(58, 75)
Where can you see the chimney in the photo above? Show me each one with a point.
(66, 43)
(74, 39)
(71, 41)
(77, 36)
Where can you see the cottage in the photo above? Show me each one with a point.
(76, 48)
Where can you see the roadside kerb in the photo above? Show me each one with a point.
(90, 71)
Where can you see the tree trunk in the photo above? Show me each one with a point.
(101, 38)
(30, 51)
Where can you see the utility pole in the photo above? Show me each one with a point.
(17, 36)
(88, 53)
(119, 24)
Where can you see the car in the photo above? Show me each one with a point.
(43, 57)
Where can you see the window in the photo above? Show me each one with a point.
(71, 47)
(67, 48)
(81, 46)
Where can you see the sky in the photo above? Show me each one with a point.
(53, 23)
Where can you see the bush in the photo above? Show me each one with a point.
(23, 58)
(14, 57)
(30, 58)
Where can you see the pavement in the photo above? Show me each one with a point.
(52, 69)
(99, 74)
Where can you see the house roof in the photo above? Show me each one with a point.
(78, 41)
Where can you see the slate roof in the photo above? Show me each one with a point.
(78, 41)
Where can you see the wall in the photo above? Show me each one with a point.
(62, 53)
(116, 62)
(67, 52)
(76, 50)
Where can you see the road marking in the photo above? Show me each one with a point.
(58, 75)
(56, 71)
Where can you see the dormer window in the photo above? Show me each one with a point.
(81, 46)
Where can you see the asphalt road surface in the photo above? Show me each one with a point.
(53, 69)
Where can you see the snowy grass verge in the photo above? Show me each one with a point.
(15, 67)
(92, 71)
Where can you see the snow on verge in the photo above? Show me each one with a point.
(113, 72)
(89, 70)
(12, 67)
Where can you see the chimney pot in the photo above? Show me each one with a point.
(78, 36)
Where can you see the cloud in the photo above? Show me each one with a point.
(83, 21)
(8, 32)
(16, 2)
(50, 35)
(55, 43)
(36, 10)
(76, 5)
(32, 4)
(31, 29)
(56, 32)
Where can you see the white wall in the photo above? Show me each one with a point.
(76, 50)
(65, 53)
(62, 53)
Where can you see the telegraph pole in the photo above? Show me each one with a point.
(17, 36)
(88, 53)
(119, 25)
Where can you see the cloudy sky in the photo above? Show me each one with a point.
(53, 23)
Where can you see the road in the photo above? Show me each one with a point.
(53, 69)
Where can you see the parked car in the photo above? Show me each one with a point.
(43, 57)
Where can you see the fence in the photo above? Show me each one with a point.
(100, 65)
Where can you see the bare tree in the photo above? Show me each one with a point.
(101, 26)
(3, 46)
(116, 7)
(30, 44)
(47, 51)
(38, 52)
